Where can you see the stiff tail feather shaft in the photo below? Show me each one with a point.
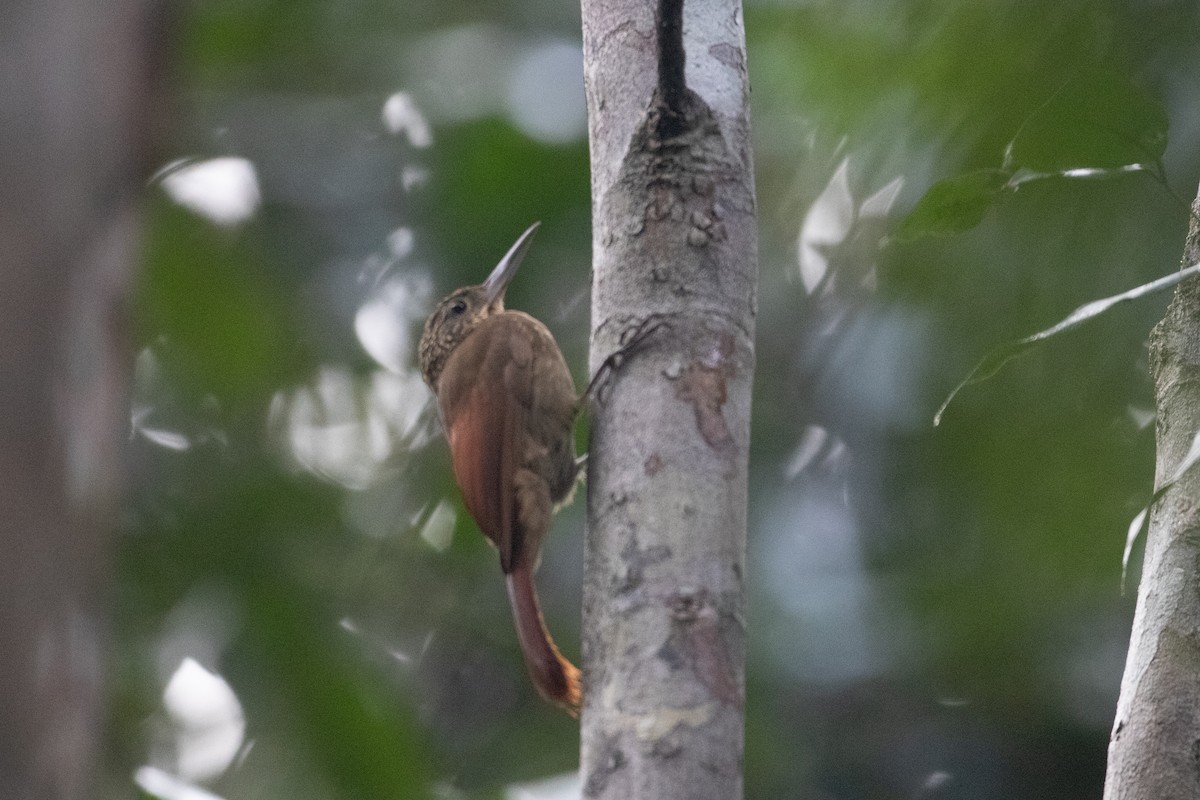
(556, 678)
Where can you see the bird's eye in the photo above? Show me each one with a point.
(458, 307)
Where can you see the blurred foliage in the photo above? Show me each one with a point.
(934, 613)
(1095, 120)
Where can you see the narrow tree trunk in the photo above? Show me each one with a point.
(1155, 746)
(73, 107)
(674, 257)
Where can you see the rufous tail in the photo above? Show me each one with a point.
(556, 678)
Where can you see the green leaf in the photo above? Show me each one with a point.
(1098, 119)
(993, 361)
(953, 205)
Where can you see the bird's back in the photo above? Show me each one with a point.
(508, 403)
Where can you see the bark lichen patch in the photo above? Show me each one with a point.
(612, 761)
(659, 724)
(703, 385)
(727, 54)
(704, 388)
(675, 161)
(711, 660)
(634, 561)
(696, 643)
(666, 748)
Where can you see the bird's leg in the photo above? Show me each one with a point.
(630, 342)
(580, 473)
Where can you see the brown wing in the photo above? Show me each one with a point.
(484, 393)
(500, 423)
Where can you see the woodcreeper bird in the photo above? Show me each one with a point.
(508, 406)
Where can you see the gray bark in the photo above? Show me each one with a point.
(1154, 751)
(73, 96)
(674, 244)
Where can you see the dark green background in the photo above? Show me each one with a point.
(934, 613)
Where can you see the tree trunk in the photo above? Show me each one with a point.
(73, 106)
(674, 257)
(1155, 746)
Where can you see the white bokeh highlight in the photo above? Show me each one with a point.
(345, 428)
(568, 786)
(401, 115)
(223, 190)
(207, 719)
(545, 93)
(387, 321)
(159, 783)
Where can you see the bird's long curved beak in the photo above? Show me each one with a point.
(497, 282)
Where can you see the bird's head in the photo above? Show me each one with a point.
(461, 311)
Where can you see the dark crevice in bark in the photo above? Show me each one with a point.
(672, 95)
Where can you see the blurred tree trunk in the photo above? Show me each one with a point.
(1155, 747)
(73, 106)
(674, 242)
